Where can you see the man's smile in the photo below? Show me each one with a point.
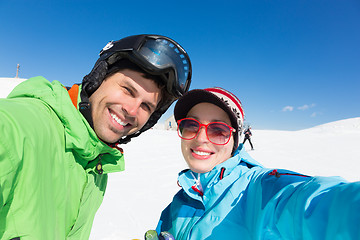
(117, 119)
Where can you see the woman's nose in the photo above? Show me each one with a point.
(202, 136)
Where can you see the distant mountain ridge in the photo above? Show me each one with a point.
(345, 125)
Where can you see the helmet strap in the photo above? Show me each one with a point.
(85, 108)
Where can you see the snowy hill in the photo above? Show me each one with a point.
(7, 84)
(135, 198)
(340, 126)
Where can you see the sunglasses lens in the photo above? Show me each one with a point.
(188, 128)
(218, 133)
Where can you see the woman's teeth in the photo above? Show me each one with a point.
(201, 153)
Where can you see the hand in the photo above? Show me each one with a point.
(152, 235)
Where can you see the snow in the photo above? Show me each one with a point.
(7, 84)
(135, 198)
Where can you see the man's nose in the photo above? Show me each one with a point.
(132, 107)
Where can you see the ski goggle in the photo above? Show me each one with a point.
(157, 55)
(217, 132)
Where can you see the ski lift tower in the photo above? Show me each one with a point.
(17, 71)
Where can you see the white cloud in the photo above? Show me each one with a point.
(288, 108)
(301, 108)
(306, 107)
(315, 114)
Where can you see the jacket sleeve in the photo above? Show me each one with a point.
(295, 206)
(167, 215)
(9, 158)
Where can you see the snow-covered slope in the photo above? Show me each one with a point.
(7, 84)
(135, 198)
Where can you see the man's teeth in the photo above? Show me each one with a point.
(117, 119)
(201, 153)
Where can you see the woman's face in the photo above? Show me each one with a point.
(200, 154)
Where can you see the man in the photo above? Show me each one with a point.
(57, 146)
(248, 135)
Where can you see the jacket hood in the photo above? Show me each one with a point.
(80, 138)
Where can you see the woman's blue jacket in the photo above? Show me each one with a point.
(240, 199)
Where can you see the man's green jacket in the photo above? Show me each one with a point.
(50, 157)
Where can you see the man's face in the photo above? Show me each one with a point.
(122, 104)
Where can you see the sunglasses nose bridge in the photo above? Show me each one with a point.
(202, 133)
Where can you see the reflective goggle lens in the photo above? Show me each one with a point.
(217, 132)
(164, 54)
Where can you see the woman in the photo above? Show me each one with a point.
(227, 195)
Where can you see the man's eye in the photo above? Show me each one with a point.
(146, 107)
(127, 90)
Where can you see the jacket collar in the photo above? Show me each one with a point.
(108, 153)
(220, 173)
(80, 138)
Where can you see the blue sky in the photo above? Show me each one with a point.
(293, 64)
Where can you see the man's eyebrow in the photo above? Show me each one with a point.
(130, 86)
(135, 92)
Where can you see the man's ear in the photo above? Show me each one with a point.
(93, 80)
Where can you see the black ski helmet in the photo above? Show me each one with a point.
(155, 54)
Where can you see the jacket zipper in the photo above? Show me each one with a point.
(277, 174)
